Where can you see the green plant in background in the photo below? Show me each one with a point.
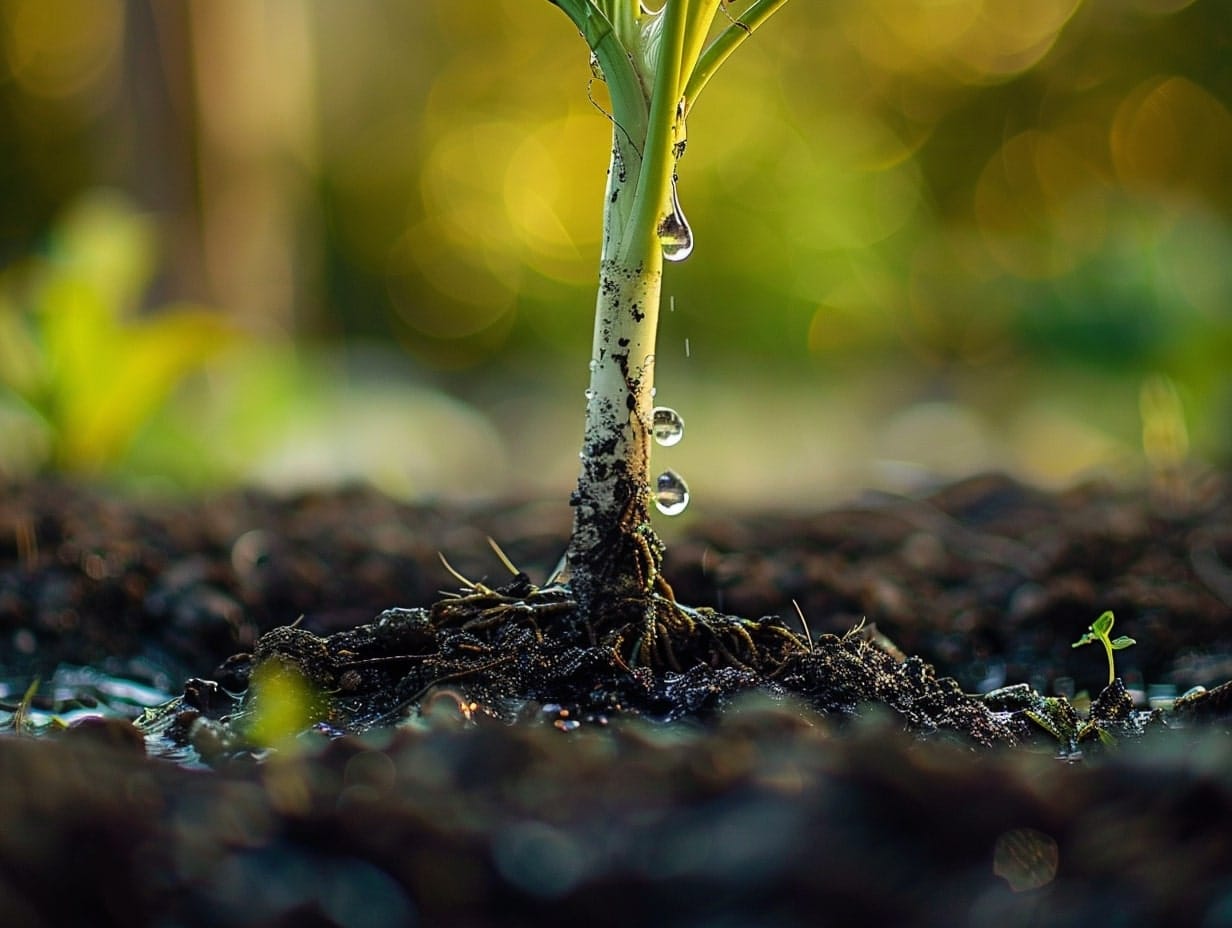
(75, 356)
(1099, 631)
(281, 705)
(655, 64)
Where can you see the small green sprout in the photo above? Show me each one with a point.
(1099, 632)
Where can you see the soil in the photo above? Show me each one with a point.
(485, 757)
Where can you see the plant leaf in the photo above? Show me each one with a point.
(1119, 644)
(150, 356)
(21, 365)
(1102, 625)
(105, 242)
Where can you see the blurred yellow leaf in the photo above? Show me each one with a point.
(74, 347)
(285, 704)
(20, 367)
(150, 357)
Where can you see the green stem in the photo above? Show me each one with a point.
(701, 17)
(655, 178)
(614, 555)
(725, 43)
(624, 85)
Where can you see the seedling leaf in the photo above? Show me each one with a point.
(1099, 632)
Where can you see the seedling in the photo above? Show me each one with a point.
(1099, 632)
(655, 64)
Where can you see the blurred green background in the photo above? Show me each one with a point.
(287, 242)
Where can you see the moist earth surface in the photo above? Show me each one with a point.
(752, 807)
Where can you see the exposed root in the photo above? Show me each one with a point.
(808, 635)
(510, 644)
(651, 631)
(504, 558)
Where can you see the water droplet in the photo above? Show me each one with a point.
(596, 69)
(667, 427)
(675, 236)
(594, 365)
(671, 493)
(590, 394)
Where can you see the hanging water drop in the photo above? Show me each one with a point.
(671, 493)
(666, 426)
(675, 236)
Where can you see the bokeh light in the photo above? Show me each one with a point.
(984, 219)
(63, 48)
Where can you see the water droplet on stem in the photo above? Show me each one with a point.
(666, 426)
(675, 236)
(671, 493)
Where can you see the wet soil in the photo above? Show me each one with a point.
(532, 776)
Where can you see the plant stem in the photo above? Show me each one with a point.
(614, 551)
(648, 59)
(658, 163)
(725, 43)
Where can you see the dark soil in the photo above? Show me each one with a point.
(834, 783)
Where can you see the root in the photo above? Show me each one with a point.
(671, 636)
(645, 629)
(653, 631)
(627, 645)
(511, 645)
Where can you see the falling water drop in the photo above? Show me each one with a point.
(675, 236)
(671, 493)
(666, 426)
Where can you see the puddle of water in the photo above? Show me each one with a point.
(73, 693)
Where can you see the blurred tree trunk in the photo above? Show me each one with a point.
(160, 128)
(253, 78)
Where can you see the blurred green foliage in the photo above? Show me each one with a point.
(75, 358)
(1009, 214)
